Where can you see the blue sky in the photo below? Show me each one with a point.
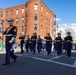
(65, 10)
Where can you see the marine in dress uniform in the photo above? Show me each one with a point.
(30, 45)
(75, 45)
(64, 45)
(68, 40)
(10, 33)
(22, 37)
(58, 42)
(54, 48)
(39, 43)
(34, 38)
(48, 40)
(27, 43)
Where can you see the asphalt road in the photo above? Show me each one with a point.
(39, 64)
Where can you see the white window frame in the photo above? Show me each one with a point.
(1, 14)
(6, 13)
(26, 8)
(35, 6)
(41, 17)
(16, 11)
(41, 8)
(41, 27)
(22, 19)
(23, 10)
(47, 13)
(11, 13)
(35, 25)
(16, 20)
(36, 15)
(22, 28)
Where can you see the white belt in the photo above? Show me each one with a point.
(10, 35)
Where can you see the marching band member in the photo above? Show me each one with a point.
(58, 44)
(39, 43)
(10, 33)
(27, 43)
(68, 41)
(22, 37)
(34, 38)
(48, 40)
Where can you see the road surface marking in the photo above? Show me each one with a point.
(55, 57)
(65, 56)
(74, 63)
(52, 61)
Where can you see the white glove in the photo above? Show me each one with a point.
(1, 30)
(11, 41)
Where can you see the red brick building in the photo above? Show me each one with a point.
(33, 16)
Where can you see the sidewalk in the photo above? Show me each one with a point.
(16, 50)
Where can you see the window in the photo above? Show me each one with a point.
(22, 10)
(41, 27)
(6, 13)
(22, 28)
(11, 13)
(1, 14)
(49, 22)
(36, 7)
(41, 17)
(47, 13)
(26, 18)
(16, 11)
(16, 20)
(41, 8)
(22, 19)
(35, 16)
(35, 26)
(26, 8)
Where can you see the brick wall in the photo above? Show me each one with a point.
(45, 21)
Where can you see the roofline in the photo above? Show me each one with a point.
(47, 7)
(1, 8)
(15, 6)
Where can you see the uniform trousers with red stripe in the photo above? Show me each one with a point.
(9, 52)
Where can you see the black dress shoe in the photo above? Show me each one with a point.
(34, 53)
(21, 52)
(48, 53)
(15, 59)
(6, 63)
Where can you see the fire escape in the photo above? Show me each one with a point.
(26, 7)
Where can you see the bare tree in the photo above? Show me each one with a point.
(71, 31)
